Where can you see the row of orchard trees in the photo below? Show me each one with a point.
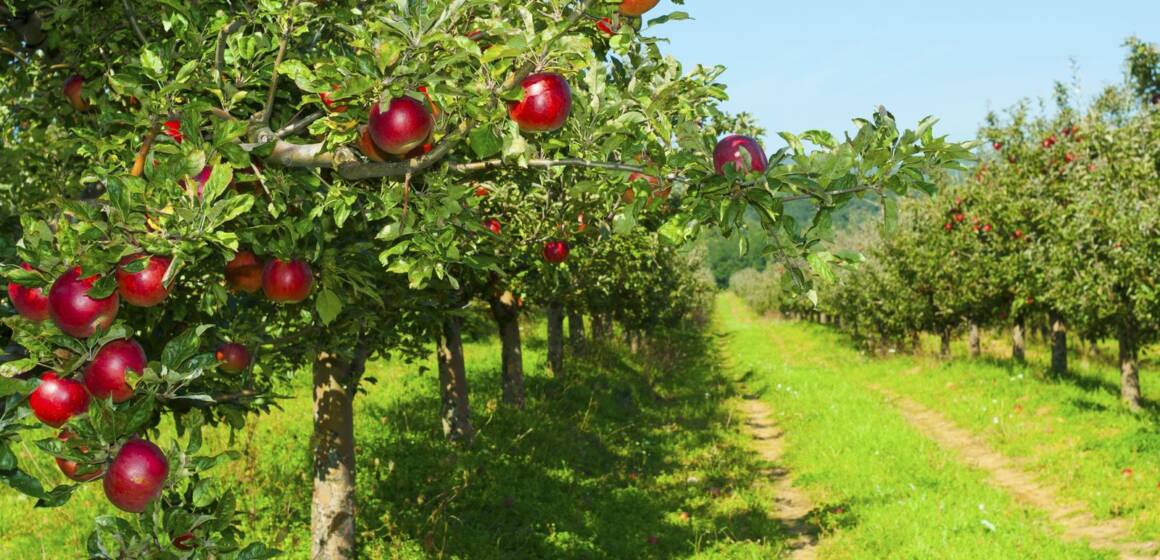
(1058, 226)
(200, 200)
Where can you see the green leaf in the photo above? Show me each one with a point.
(485, 142)
(152, 64)
(329, 306)
(819, 262)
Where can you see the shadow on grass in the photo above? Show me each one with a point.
(597, 465)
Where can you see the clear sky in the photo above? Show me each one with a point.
(806, 64)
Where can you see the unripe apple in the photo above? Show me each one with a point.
(136, 476)
(546, 104)
(72, 90)
(730, 150)
(493, 225)
(287, 281)
(30, 303)
(244, 273)
(232, 357)
(637, 7)
(71, 468)
(56, 400)
(107, 375)
(403, 126)
(144, 288)
(73, 311)
(556, 252)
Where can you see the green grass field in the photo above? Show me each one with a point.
(645, 457)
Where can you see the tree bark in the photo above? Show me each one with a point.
(974, 342)
(556, 338)
(1018, 342)
(944, 347)
(333, 505)
(915, 341)
(1129, 365)
(576, 331)
(633, 341)
(1058, 344)
(507, 317)
(455, 407)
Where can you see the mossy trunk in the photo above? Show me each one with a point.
(507, 318)
(1058, 344)
(455, 407)
(332, 507)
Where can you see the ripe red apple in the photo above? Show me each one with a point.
(546, 104)
(1049, 141)
(481, 191)
(403, 126)
(556, 252)
(144, 288)
(607, 26)
(581, 225)
(172, 129)
(729, 152)
(232, 357)
(329, 102)
(959, 217)
(244, 273)
(987, 228)
(637, 7)
(107, 375)
(56, 400)
(72, 90)
(997, 145)
(136, 476)
(368, 148)
(1018, 234)
(287, 281)
(1069, 158)
(949, 226)
(1012, 159)
(493, 225)
(201, 179)
(30, 303)
(73, 311)
(185, 541)
(70, 468)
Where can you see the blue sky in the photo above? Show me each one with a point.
(807, 64)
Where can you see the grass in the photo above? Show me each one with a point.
(619, 461)
(882, 490)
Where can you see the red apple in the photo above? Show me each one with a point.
(330, 103)
(73, 311)
(607, 26)
(1069, 158)
(136, 476)
(172, 129)
(403, 126)
(201, 179)
(997, 145)
(70, 468)
(556, 252)
(185, 542)
(368, 148)
(546, 104)
(30, 303)
(56, 400)
(144, 288)
(72, 90)
(1012, 159)
(232, 357)
(959, 218)
(1018, 234)
(729, 152)
(1049, 141)
(244, 273)
(287, 281)
(987, 228)
(107, 375)
(493, 225)
(949, 226)
(637, 7)
(481, 191)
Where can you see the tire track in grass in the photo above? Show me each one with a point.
(1075, 520)
(792, 505)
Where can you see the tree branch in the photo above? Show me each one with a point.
(269, 108)
(133, 22)
(294, 127)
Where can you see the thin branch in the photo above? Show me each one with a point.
(826, 194)
(269, 109)
(133, 22)
(139, 161)
(294, 127)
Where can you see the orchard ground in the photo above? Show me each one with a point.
(649, 456)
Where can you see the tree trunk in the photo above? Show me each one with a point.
(974, 342)
(1129, 366)
(332, 511)
(915, 342)
(576, 331)
(556, 338)
(1058, 344)
(455, 408)
(507, 318)
(944, 347)
(1018, 344)
(633, 341)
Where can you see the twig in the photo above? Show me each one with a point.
(133, 22)
(220, 57)
(139, 161)
(294, 127)
(269, 109)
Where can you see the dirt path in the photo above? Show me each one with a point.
(792, 507)
(1073, 518)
